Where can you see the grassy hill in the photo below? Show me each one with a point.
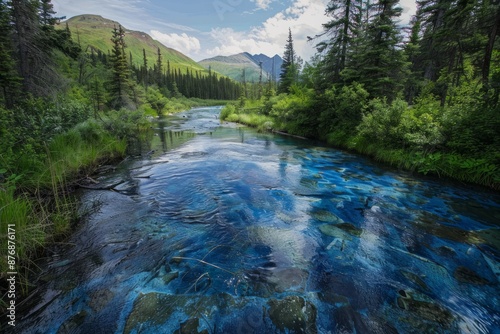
(94, 32)
(233, 66)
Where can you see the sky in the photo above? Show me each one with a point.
(206, 28)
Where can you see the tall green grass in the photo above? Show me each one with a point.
(248, 117)
(479, 171)
(37, 199)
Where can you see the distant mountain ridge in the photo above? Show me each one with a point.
(233, 66)
(93, 32)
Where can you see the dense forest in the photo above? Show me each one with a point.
(423, 98)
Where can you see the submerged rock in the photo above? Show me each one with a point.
(420, 308)
(446, 251)
(326, 216)
(347, 320)
(190, 327)
(333, 298)
(490, 237)
(466, 275)
(169, 277)
(287, 279)
(99, 299)
(344, 231)
(154, 308)
(73, 323)
(350, 228)
(415, 279)
(294, 314)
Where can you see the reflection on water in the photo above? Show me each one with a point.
(223, 230)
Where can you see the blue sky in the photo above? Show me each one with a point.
(207, 28)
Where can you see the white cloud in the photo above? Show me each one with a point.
(182, 42)
(409, 9)
(304, 18)
(233, 42)
(262, 4)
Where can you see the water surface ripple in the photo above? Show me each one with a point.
(224, 230)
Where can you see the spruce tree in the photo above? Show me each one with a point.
(32, 59)
(144, 70)
(159, 69)
(289, 68)
(413, 55)
(47, 13)
(120, 84)
(9, 78)
(342, 28)
(379, 62)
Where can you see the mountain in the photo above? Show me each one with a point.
(233, 66)
(93, 32)
(270, 65)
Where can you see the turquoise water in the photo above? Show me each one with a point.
(224, 230)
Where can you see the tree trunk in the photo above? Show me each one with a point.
(489, 48)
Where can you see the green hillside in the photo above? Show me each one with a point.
(233, 66)
(94, 32)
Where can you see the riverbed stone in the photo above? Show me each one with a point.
(334, 231)
(190, 327)
(286, 279)
(153, 308)
(169, 277)
(418, 307)
(490, 237)
(73, 323)
(99, 299)
(446, 251)
(326, 216)
(415, 279)
(293, 314)
(466, 275)
(350, 228)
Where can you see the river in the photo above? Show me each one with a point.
(225, 230)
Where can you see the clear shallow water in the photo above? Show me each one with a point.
(223, 230)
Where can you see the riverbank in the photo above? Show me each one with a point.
(37, 201)
(39, 177)
(468, 169)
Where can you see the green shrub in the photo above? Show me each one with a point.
(421, 124)
(292, 112)
(228, 110)
(343, 107)
(383, 124)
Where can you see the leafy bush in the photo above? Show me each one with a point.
(421, 124)
(292, 112)
(473, 130)
(383, 124)
(227, 111)
(91, 131)
(343, 107)
(124, 123)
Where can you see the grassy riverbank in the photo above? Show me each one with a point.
(456, 142)
(41, 162)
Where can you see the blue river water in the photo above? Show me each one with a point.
(226, 230)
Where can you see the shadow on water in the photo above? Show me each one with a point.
(219, 229)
